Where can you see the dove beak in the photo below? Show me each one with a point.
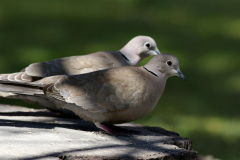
(179, 73)
(157, 51)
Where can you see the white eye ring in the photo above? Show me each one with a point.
(147, 45)
(169, 62)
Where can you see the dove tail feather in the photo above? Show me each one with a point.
(20, 89)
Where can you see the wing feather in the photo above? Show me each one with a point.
(70, 65)
(101, 91)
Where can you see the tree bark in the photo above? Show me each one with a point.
(41, 134)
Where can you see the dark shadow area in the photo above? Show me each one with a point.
(42, 125)
(38, 113)
(76, 123)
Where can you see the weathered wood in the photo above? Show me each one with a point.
(40, 134)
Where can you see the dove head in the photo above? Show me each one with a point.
(164, 65)
(139, 48)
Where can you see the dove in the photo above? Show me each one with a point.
(132, 53)
(137, 49)
(105, 97)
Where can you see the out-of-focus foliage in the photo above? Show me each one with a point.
(204, 35)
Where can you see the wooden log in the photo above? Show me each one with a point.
(41, 134)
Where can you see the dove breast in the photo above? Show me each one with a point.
(110, 96)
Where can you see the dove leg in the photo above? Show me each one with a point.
(114, 130)
(109, 130)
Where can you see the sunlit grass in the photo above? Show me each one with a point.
(218, 26)
(33, 54)
(233, 83)
(225, 128)
(216, 62)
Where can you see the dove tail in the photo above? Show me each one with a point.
(20, 89)
(19, 83)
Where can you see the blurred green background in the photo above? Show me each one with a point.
(204, 35)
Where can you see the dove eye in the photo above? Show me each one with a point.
(148, 45)
(169, 63)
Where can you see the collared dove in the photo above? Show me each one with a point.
(131, 54)
(105, 97)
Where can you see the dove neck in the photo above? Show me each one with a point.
(155, 71)
(126, 58)
(132, 59)
(150, 71)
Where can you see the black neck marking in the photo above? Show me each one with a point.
(124, 56)
(150, 72)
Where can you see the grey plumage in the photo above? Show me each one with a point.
(131, 54)
(104, 97)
